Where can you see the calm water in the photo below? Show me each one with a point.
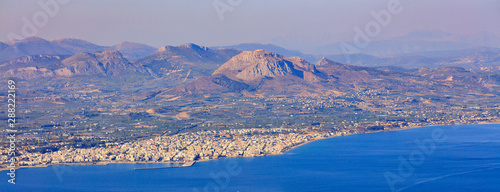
(455, 158)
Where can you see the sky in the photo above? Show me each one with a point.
(295, 24)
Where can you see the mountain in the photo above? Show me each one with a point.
(68, 46)
(78, 46)
(255, 65)
(132, 50)
(477, 58)
(353, 75)
(31, 67)
(456, 77)
(32, 46)
(46, 61)
(202, 68)
(190, 54)
(406, 59)
(481, 61)
(273, 48)
(262, 72)
(430, 49)
(196, 53)
(259, 71)
(107, 63)
(180, 62)
(129, 50)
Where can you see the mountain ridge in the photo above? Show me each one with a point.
(68, 46)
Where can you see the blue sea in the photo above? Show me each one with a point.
(439, 158)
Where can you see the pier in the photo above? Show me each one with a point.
(186, 164)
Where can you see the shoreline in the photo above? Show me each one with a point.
(401, 129)
(264, 155)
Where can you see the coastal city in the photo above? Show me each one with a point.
(192, 146)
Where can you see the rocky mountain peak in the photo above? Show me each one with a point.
(325, 61)
(254, 65)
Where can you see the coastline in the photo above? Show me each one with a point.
(401, 129)
(497, 121)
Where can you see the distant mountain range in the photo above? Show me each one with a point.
(476, 58)
(35, 57)
(176, 64)
(106, 63)
(67, 46)
(264, 72)
(175, 78)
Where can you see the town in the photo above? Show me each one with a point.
(202, 145)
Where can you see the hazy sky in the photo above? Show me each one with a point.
(292, 23)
